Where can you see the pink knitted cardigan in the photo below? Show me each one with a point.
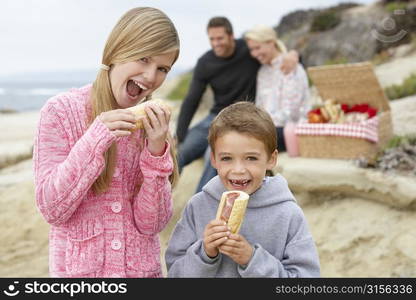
(113, 234)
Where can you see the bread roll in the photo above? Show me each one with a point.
(138, 110)
(232, 209)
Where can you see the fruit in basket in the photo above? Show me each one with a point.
(358, 112)
(332, 112)
(315, 116)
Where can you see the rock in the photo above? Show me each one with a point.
(16, 174)
(362, 32)
(404, 242)
(341, 178)
(294, 21)
(403, 111)
(395, 71)
(360, 238)
(16, 138)
(352, 40)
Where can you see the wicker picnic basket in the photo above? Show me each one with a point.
(350, 84)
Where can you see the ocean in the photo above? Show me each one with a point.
(25, 96)
(25, 92)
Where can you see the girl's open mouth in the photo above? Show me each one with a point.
(134, 89)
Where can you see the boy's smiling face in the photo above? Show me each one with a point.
(241, 161)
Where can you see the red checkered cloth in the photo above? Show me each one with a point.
(367, 129)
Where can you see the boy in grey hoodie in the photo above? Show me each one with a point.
(274, 240)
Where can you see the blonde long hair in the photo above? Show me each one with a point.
(262, 34)
(140, 32)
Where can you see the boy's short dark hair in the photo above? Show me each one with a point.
(245, 118)
(220, 22)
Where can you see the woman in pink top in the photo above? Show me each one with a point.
(106, 191)
(283, 96)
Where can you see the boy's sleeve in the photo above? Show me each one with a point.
(300, 258)
(185, 255)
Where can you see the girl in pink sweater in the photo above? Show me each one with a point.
(105, 190)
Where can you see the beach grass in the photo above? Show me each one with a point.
(407, 88)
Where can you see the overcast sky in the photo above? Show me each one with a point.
(53, 35)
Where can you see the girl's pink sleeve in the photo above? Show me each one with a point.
(152, 205)
(65, 170)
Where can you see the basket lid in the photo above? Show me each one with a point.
(354, 83)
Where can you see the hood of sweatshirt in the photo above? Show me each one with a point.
(273, 190)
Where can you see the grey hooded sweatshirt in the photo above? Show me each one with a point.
(274, 225)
